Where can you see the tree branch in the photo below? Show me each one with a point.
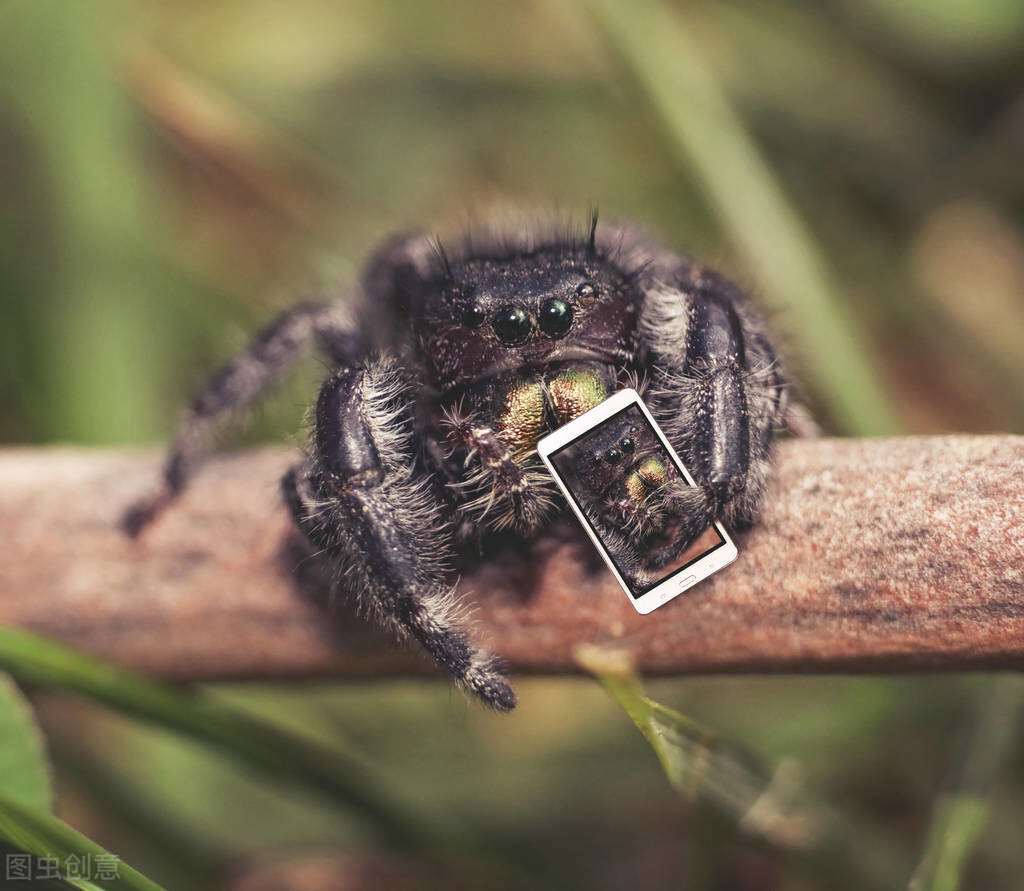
(881, 555)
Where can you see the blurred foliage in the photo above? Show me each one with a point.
(26, 798)
(961, 812)
(769, 804)
(566, 777)
(172, 173)
(24, 772)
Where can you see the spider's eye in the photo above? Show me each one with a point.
(511, 324)
(473, 316)
(627, 445)
(555, 317)
(613, 456)
(586, 294)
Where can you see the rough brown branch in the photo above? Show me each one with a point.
(891, 555)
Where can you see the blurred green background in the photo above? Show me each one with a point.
(173, 173)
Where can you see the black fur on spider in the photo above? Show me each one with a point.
(449, 365)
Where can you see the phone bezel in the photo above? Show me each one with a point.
(674, 585)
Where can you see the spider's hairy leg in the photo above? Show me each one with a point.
(721, 423)
(719, 394)
(238, 383)
(631, 563)
(394, 275)
(691, 510)
(363, 501)
(738, 396)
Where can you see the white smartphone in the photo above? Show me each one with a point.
(616, 454)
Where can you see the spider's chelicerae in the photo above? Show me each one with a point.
(448, 366)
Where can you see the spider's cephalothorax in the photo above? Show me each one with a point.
(449, 366)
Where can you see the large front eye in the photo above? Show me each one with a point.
(511, 324)
(555, 317)
(628, 445)
(613, 456)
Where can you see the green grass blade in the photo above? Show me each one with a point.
(666, 61)
(769, 804)
(24, 767)
(26, 794)
(960, 814)
(696, 762)
(329, 772)
(957, 822)
(43, 835)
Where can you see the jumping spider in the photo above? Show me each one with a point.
(449, 369)
(638, 503)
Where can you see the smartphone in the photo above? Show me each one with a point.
(612, 460)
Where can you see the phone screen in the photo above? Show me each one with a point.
(617, 472)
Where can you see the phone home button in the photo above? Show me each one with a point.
(686, 582)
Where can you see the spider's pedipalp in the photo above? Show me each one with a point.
(522, 496)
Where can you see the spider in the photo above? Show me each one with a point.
(634, 497)
(449, 365)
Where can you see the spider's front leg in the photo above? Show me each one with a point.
(718, 392)
(363, 501)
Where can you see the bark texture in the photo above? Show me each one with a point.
(882, 555)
